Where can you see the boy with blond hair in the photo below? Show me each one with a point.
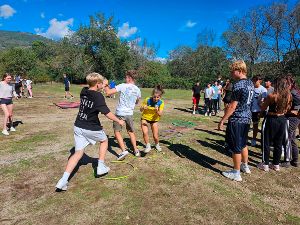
(239, 119)
(87, 127)
(129, 98)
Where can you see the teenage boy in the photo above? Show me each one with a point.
(260, 93)
(196, 97)
(239, 119)
(129, 98)
(208, 94)
(67, 86)
(87, 127)
(268, 86)
(215, 98)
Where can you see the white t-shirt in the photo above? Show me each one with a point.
(129, 93)
(259, 94)
(209, 92)
(28, 83)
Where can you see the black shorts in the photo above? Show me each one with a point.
(67, 88)
(255, 117)
(6, 101)
(148, 121)
(236, 136)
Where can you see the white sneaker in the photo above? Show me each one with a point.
(275, 167)
(253, 143)
(263, 167)
(29, 97)
(62, 185)
(5, 132)
(122, 155)
(210, 114)
(158, 148)
(137, 153)
(245, 168)
(148, 148)
(194, 112)
(232, 175)
(206, 114)
(12, 129)
(102, 169)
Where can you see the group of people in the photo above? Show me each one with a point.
(278, 105)
(88, 128)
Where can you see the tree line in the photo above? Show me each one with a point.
(266, 37)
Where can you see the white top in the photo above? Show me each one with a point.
(259, 94)
(28, 83)
(129, 94)
(7, 90)
(209, 92)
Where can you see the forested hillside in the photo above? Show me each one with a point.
(9, 39)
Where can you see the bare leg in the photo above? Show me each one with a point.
(154, 127)
(237, 161)
(103, 149)
(144, 127)
(245, 155)
(10, 112)
(6, 115)
(73, 161)
(120, 140)
(133, 140)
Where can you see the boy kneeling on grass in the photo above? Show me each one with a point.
(87, 127)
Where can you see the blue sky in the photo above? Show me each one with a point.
(167, 23)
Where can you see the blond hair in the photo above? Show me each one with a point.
(239, 65)
(93, 78)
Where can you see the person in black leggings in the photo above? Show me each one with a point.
(273, 129)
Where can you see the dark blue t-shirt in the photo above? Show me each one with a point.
(242, 92)
(66, 82)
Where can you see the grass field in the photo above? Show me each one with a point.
(182, 185)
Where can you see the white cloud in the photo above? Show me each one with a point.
(190, 24)
(6, 11)
(42, 15)
(126, 31)
(57, 29)
(161, 60)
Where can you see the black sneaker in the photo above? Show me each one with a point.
(295, 164)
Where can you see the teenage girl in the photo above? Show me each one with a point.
(7, 92)
(152, 109)
(274, 126)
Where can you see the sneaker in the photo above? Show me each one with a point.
(285, 164)
(148, 148)
(102, 169)
(5, 132)
(253, 143)
(245, 168)
(12, 129)
(30, 97)
(194, 112)
(206, 114)
(232, 175)
(263, 167)
(122, 155)
(61, 185)
(275, 167)
(158, 148)
(137, 153)
(295, 163)
(209, 114)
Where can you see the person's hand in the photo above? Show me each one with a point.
(156, 107)
(221, 126)
(105, 83)
(121, 122)
(145, 107)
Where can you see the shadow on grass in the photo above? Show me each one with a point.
(184, 151)
(211, 132)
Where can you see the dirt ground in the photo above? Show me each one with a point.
(182, 185)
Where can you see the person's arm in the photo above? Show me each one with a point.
(266, 103)
(159, 109)
(112, 117)
(107, 90)
(143, 106)
(230, 110)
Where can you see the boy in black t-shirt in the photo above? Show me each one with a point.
(87, 127)
(196, 97)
